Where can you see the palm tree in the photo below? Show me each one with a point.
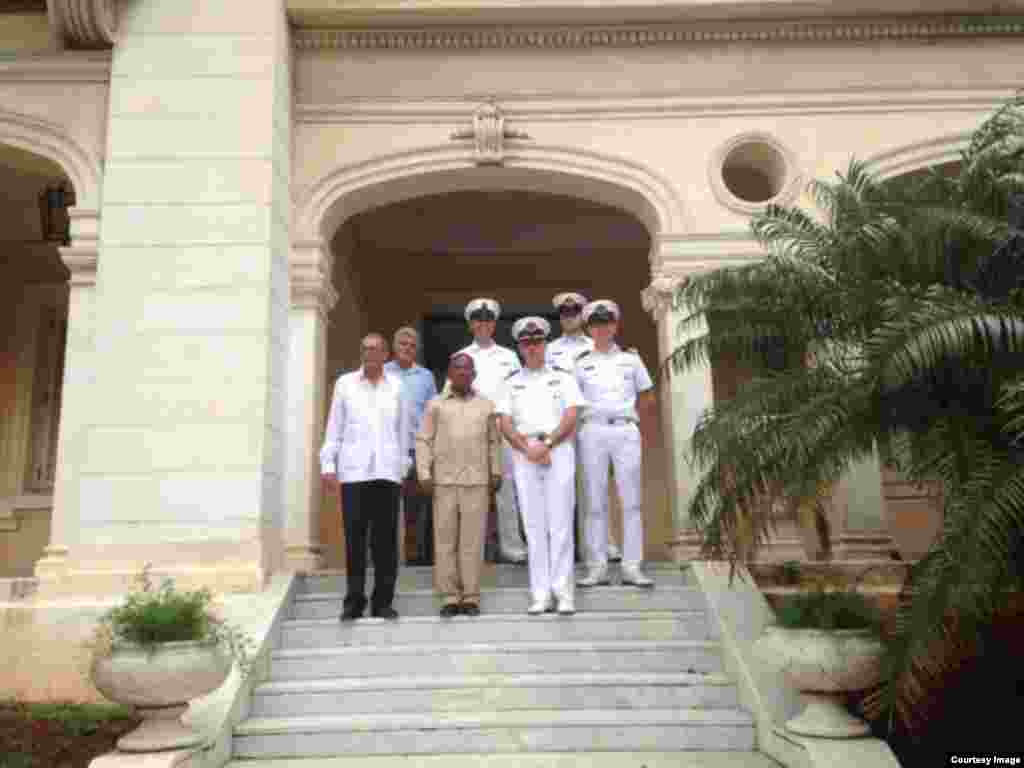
(898, 309)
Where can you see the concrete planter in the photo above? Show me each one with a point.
(159, 682)
(823, 665)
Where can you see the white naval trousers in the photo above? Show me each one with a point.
(510, 540)
(620, 445)
(546, 497)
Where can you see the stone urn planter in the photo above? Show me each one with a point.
(823, 665)
(159, 681)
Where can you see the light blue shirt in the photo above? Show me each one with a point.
(418, 388)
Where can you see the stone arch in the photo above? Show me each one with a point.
(49, 140)
(620, 183)
(919, 155)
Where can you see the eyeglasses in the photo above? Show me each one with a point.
(482, 315)
(570, 310)
(531, 341)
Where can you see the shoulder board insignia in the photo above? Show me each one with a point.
(509, 376)
(553, 382)
(560, 370)
(583, 354)
(518, 386)
(589, 367)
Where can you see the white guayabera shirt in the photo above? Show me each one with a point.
(367, 435)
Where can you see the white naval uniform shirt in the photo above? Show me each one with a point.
(536, 399)
(610, 381)
(493, 365)
(367, 430)
(563, 351)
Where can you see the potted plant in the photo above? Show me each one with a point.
(825, 642)
(159, 649)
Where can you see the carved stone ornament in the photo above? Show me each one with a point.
(85, 23)
(489, 134)
(658, 296)
(309, 271)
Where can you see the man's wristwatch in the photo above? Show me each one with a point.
(549, 442)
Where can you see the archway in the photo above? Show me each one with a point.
(414, 248)
(33, 328)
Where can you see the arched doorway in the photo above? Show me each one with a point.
(33, 328)
(417, 260)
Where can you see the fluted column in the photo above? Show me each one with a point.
(312, 297)
(81, 258)
(684, 398)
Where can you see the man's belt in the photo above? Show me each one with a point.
(617, 421)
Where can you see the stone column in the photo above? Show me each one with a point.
(182, 449)
(81, 258)
(684, 398)
(312, 297)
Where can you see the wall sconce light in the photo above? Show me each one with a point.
(54, 202)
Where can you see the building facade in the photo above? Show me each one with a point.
(208, 204)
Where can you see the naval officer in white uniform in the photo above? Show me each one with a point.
(562, 353)
(537, 413)
(618, 390)
(493, 364)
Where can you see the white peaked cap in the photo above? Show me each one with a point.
(563, 298)
(476, 304)
(607, 305)
(529, 326)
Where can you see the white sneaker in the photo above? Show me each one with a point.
(539, 606)
(632, 575)
(614, 553)
(566, 607)
(597, 574)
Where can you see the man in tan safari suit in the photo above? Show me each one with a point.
(458, 459)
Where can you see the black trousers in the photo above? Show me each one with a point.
(370, 507)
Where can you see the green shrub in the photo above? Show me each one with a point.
(822, 608)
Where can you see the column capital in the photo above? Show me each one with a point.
(309, 272)
(82, 262)
(657, 297)
(85, 23)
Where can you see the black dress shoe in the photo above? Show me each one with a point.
(386, 613)
(351, 614)
(449, 610)
(469, 609)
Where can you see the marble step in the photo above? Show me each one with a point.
(434, 693)
(625, 625)
(502, 657)
(534, 730)
(424, 602)
(529, 760)
(415, 577)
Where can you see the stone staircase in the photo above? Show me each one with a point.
(634, 674)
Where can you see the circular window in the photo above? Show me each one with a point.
(751, 171)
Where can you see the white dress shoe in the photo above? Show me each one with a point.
(516, 556)
(614, 553)
(539, 606)
(566, 607)
(633, 576)
(596, 575)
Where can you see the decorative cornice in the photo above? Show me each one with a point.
(857, 30)
(610, 105)
(85, 23)
(309, 272)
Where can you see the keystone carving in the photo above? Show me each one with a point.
(489, 134)
(85, 23)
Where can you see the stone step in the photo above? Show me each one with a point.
(433, 693)
(534, 730)
(424, 602)
(503, 657)
(416, 577)
(625, 625)
(530, 760)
